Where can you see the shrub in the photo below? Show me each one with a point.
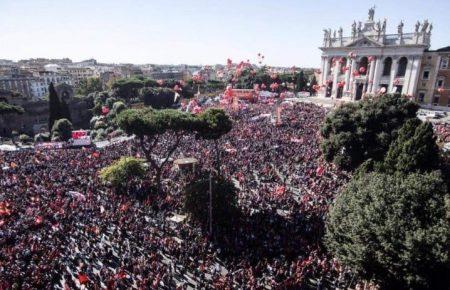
(393, 229)
(25, 139)
(42, 137)
(356, 132)
(122, 171)
(62, 130)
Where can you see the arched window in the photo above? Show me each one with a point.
(402, 67)
(362, 67)
(387, 66)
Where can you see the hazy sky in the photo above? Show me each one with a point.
(287, 32)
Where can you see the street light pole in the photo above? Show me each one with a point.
(210, 204)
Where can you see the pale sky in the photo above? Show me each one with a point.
(286, 32)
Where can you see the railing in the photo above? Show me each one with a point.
(389, 39)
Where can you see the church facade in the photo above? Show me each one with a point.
(370, 60)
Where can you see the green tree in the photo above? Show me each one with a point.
(6, 108)
(89, 85)
(149, 125)
(127, 89)
(356, 132)
(62, 130)
(65, 111)
(213, 124)
(301, 82)
(122, 172)
(158, 98)
(224, 202)
(55, 111)
(415, 149)
(42, 137)
(24, 139)
(393, 229)
(118, 107)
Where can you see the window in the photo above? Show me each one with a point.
(444, 63)
(421, 97)
(440, 83)
(426, 75)
(387, 66)
(362, 66)
(448, 102)
(436, 100)
(402, 63)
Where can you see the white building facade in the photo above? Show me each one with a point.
(371, 61)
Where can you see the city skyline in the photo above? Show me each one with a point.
(286, 33)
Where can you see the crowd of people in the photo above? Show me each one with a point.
(62, 228)
(442, 131)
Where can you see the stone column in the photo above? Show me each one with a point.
(414, 79)
(351, 81)
(371, 72)
(407, 77)
(325, 71)
(347, 74)
(376, 75)
(393, 73)
(335, 77)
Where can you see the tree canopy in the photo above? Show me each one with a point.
(6, 108)
(55, 110)
(121, 172)
(356, 132)
(148, 124)
(213, 123)
(127, 89)
(89, 85)
(158, 98)
(62, 130)
(224, 202)
(415, 149)
(393, 229)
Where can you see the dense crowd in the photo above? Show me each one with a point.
(442, 131)
(61, 228)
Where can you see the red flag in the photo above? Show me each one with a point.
(280, 190)
(121, 275)
(83, 278)
(320, 170)
(38, 220)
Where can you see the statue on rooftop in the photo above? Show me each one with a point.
(371, 13)
(378, 28)
(359, 27)
(340, 31)
(425, 26)
(354, 29)
(400, 28)
(431, 28)
(417, 26)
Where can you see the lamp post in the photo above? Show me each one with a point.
(210, 204)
